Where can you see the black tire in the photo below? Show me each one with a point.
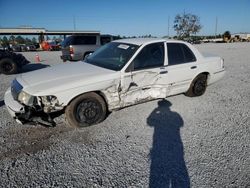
(198, 86)
(8, 66)
(85, 110)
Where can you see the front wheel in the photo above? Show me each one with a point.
(198, 86)
(85, 110)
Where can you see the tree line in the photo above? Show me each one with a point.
(5, 41)
(186, 25)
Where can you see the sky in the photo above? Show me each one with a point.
(127, 17)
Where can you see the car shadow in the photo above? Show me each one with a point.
(33, 66)
(168, 168)
(2, 103)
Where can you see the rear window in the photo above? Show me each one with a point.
(79, 40)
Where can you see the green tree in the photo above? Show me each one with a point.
(28, 41)
(20, 40)
(34, 40)
(5, 41)
(12, 39)
(186, 24)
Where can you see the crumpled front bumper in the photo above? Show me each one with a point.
(24, 114)
(13, 106)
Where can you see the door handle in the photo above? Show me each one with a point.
(193, 67)
(163, 72)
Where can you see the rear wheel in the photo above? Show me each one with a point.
(8, 66)
(198, 86)
(85, 110)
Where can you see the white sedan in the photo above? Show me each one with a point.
(119, 74)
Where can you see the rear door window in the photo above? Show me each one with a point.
(179, 53)
(189, 55)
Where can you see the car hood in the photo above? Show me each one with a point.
(63, 77)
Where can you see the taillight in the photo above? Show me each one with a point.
(71, 50)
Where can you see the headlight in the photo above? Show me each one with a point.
(25, 98)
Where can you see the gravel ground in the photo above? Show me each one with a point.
(201, 141)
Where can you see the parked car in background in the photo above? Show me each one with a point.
(50, 46)
(16, 48)
(37, 45)
(77, 47)
(118, 74)
(192, 41)
(23, 47)
(31, 48)
(1, 47)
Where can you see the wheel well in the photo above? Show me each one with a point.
(205, 73)
(103, 97)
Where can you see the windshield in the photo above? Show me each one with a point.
(113, 55)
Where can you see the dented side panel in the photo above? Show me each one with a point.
(142, 86)
(112, 96)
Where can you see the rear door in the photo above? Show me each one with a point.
(182, 67)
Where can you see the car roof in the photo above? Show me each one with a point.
(141, 41)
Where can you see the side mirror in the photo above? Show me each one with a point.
(87, 56)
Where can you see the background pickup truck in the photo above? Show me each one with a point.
(77, 47)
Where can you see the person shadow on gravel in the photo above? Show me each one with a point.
(168, 168)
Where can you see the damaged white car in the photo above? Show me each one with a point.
(119, 74)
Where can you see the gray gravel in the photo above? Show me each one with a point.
(201, 141)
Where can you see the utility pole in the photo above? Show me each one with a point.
(74, 22)
(216, 25)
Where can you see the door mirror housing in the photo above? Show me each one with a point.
(87, 56)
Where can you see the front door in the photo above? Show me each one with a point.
(145, 79)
